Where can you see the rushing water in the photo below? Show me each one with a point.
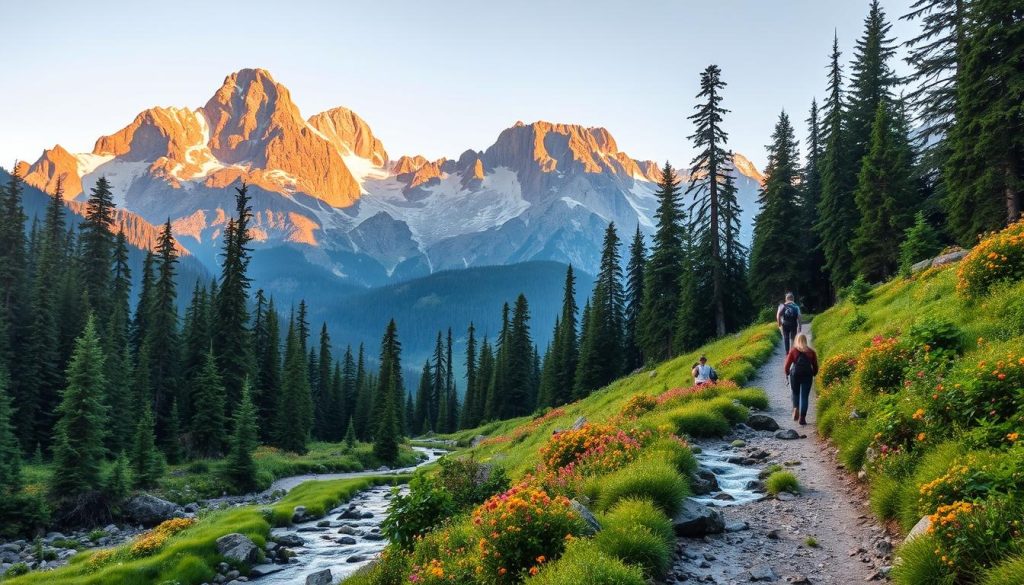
(344, 540)
(734, 480)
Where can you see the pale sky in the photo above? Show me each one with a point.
(431, 78)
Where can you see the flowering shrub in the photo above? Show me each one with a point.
(694, 392)
(972, 537)
(151, 541)
(414, 514)
(524, 430)
(880, 366)
(521, 529)
(988, 397)
(837, 368)
(977, 476)
(638, 405)
(445, 556)
(997, 258)
(899, 429)
(935, 341)
(101, 557)
(601, 445)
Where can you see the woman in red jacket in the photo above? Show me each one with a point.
(801, 367)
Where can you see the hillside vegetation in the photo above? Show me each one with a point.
(922, 388)
(628, 459)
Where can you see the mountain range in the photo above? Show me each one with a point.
(329, 198)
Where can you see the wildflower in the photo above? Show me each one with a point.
(1012, 437)
(921, 436)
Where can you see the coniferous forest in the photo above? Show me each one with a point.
(108, 385)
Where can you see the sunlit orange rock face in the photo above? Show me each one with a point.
(350, 134)
(56, 164)
(253, 122)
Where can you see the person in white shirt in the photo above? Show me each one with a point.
(702, 372)
(788, 318)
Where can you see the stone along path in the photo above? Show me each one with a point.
(769, 539)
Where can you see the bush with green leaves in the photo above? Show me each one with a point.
(880, 366)
(935, 340)
(782, 481)
(635, 544)
(858, 292)
(657, 481)
(412, 515)
(972, 537)
(470, 482)
(644, 513)
(920, 242)
(857, 321)
(584, 562)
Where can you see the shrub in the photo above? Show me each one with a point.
(635, 544)
(16, 570)
(591, 441)
(919, 564)
(837, 368)
(655, 480)
(975, 477)
(885, 497)
(584, 562)
(858, 292)
(853, 440)
(644, 513)
(749, 397)
(414, 514)
(520, 526)
(782, 481)
(469, 482)
(971, 537)
(857, 321)
(698, 419)
(732, 411)
(22, 513)
(920, 242)
(935, 339)
(673, 450)
(880, 366)
(638, 405)
(443, 556)
(999, 257)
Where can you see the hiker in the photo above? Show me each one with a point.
(703, 373)
(801, 367)
(788, 318)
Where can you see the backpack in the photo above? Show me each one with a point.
(714, 375)
(802, 366)
(790, 315)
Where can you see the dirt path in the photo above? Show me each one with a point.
(851, 546)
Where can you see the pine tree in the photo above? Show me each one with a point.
(633, 301)
(884, 197)
(119, 363)
(408, 415)
(469, 401)
(162, 334)
(14, 305)
(984, 176)
(871, 80)
(295, 406)
(198, 339)
(517, 352)
(439, 394)
(350, 434)
(98, 246)
(268, 376)
(837, 211)
(777, 257)
(498, 388)
(421, 418)
(934, 54)
(119, 481)
(315, 392)
(173, 450)
(240, 467)
(10, 451)
(601, 348)
(146, 461)
(692, 328)
(921, 242)
(336, 412)
(208, 420)
(451, 401)
(325, 378)
(558, 380)
(232, 339)
(364, 399)
(140, 322)
(815, 282)
(485, 375)
(389, 388)
(78, 450)
(715, 211)
(662, 274)
(348, 385)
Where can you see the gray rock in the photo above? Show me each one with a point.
(356, 559)
(346, 540)
(954, 256)
(579, 423)
(798, 580)
(762, 422)
(323, 577)
(477, 440)
(593, 525)
(788, 435)
(696, 520)
(351, 514)
(785, 497)
(373, 537)
(238, 547)
(704, 482)
(298, 514)
(290, 540)
(763, 573)
(346, 530)
(920, 528)
(736, 527)
(150, 510)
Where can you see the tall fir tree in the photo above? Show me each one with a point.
(294, 414)
(467, 420)
(98, 245)
(146, 461)
(692, 328)
(984, 175)
(364, 399)
(421, 419)
(871, 80)
(325, 379)
(348, 388)
(197, 338)
(715, 210)
(387, 431)
(558, 379)
(601, 349)
(268, 377)
(162, 335)
(208, 419)
(452, 401)
(315, 391)
(498, 388)
(240, 468)
(232, 337)
(439, 394)
(78, 450)
(119, 395)
(837, 211)
(778, 256)
(10, 450)
(662, 274)
(14, 303)
(485, 374)
(517, 351)
(140, 321)
(884, 196)
(816, 287)
(633, 302)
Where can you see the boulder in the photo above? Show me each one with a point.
(291, 540)
(593, 525)
(261, 570)
(763, 573)
(762, 422)
(696, 520)
(239, 548)
(704, 482)
(356, 559)
(150, 510)
(298, 514)
(323, 577)
(346, 540)
(919, 529)
(787, 435)
(579, 423)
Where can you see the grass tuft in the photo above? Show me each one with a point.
(782, 481)
(650, 479)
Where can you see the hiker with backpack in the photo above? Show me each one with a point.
(788, 318)
(801, 366)
(703, 373)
